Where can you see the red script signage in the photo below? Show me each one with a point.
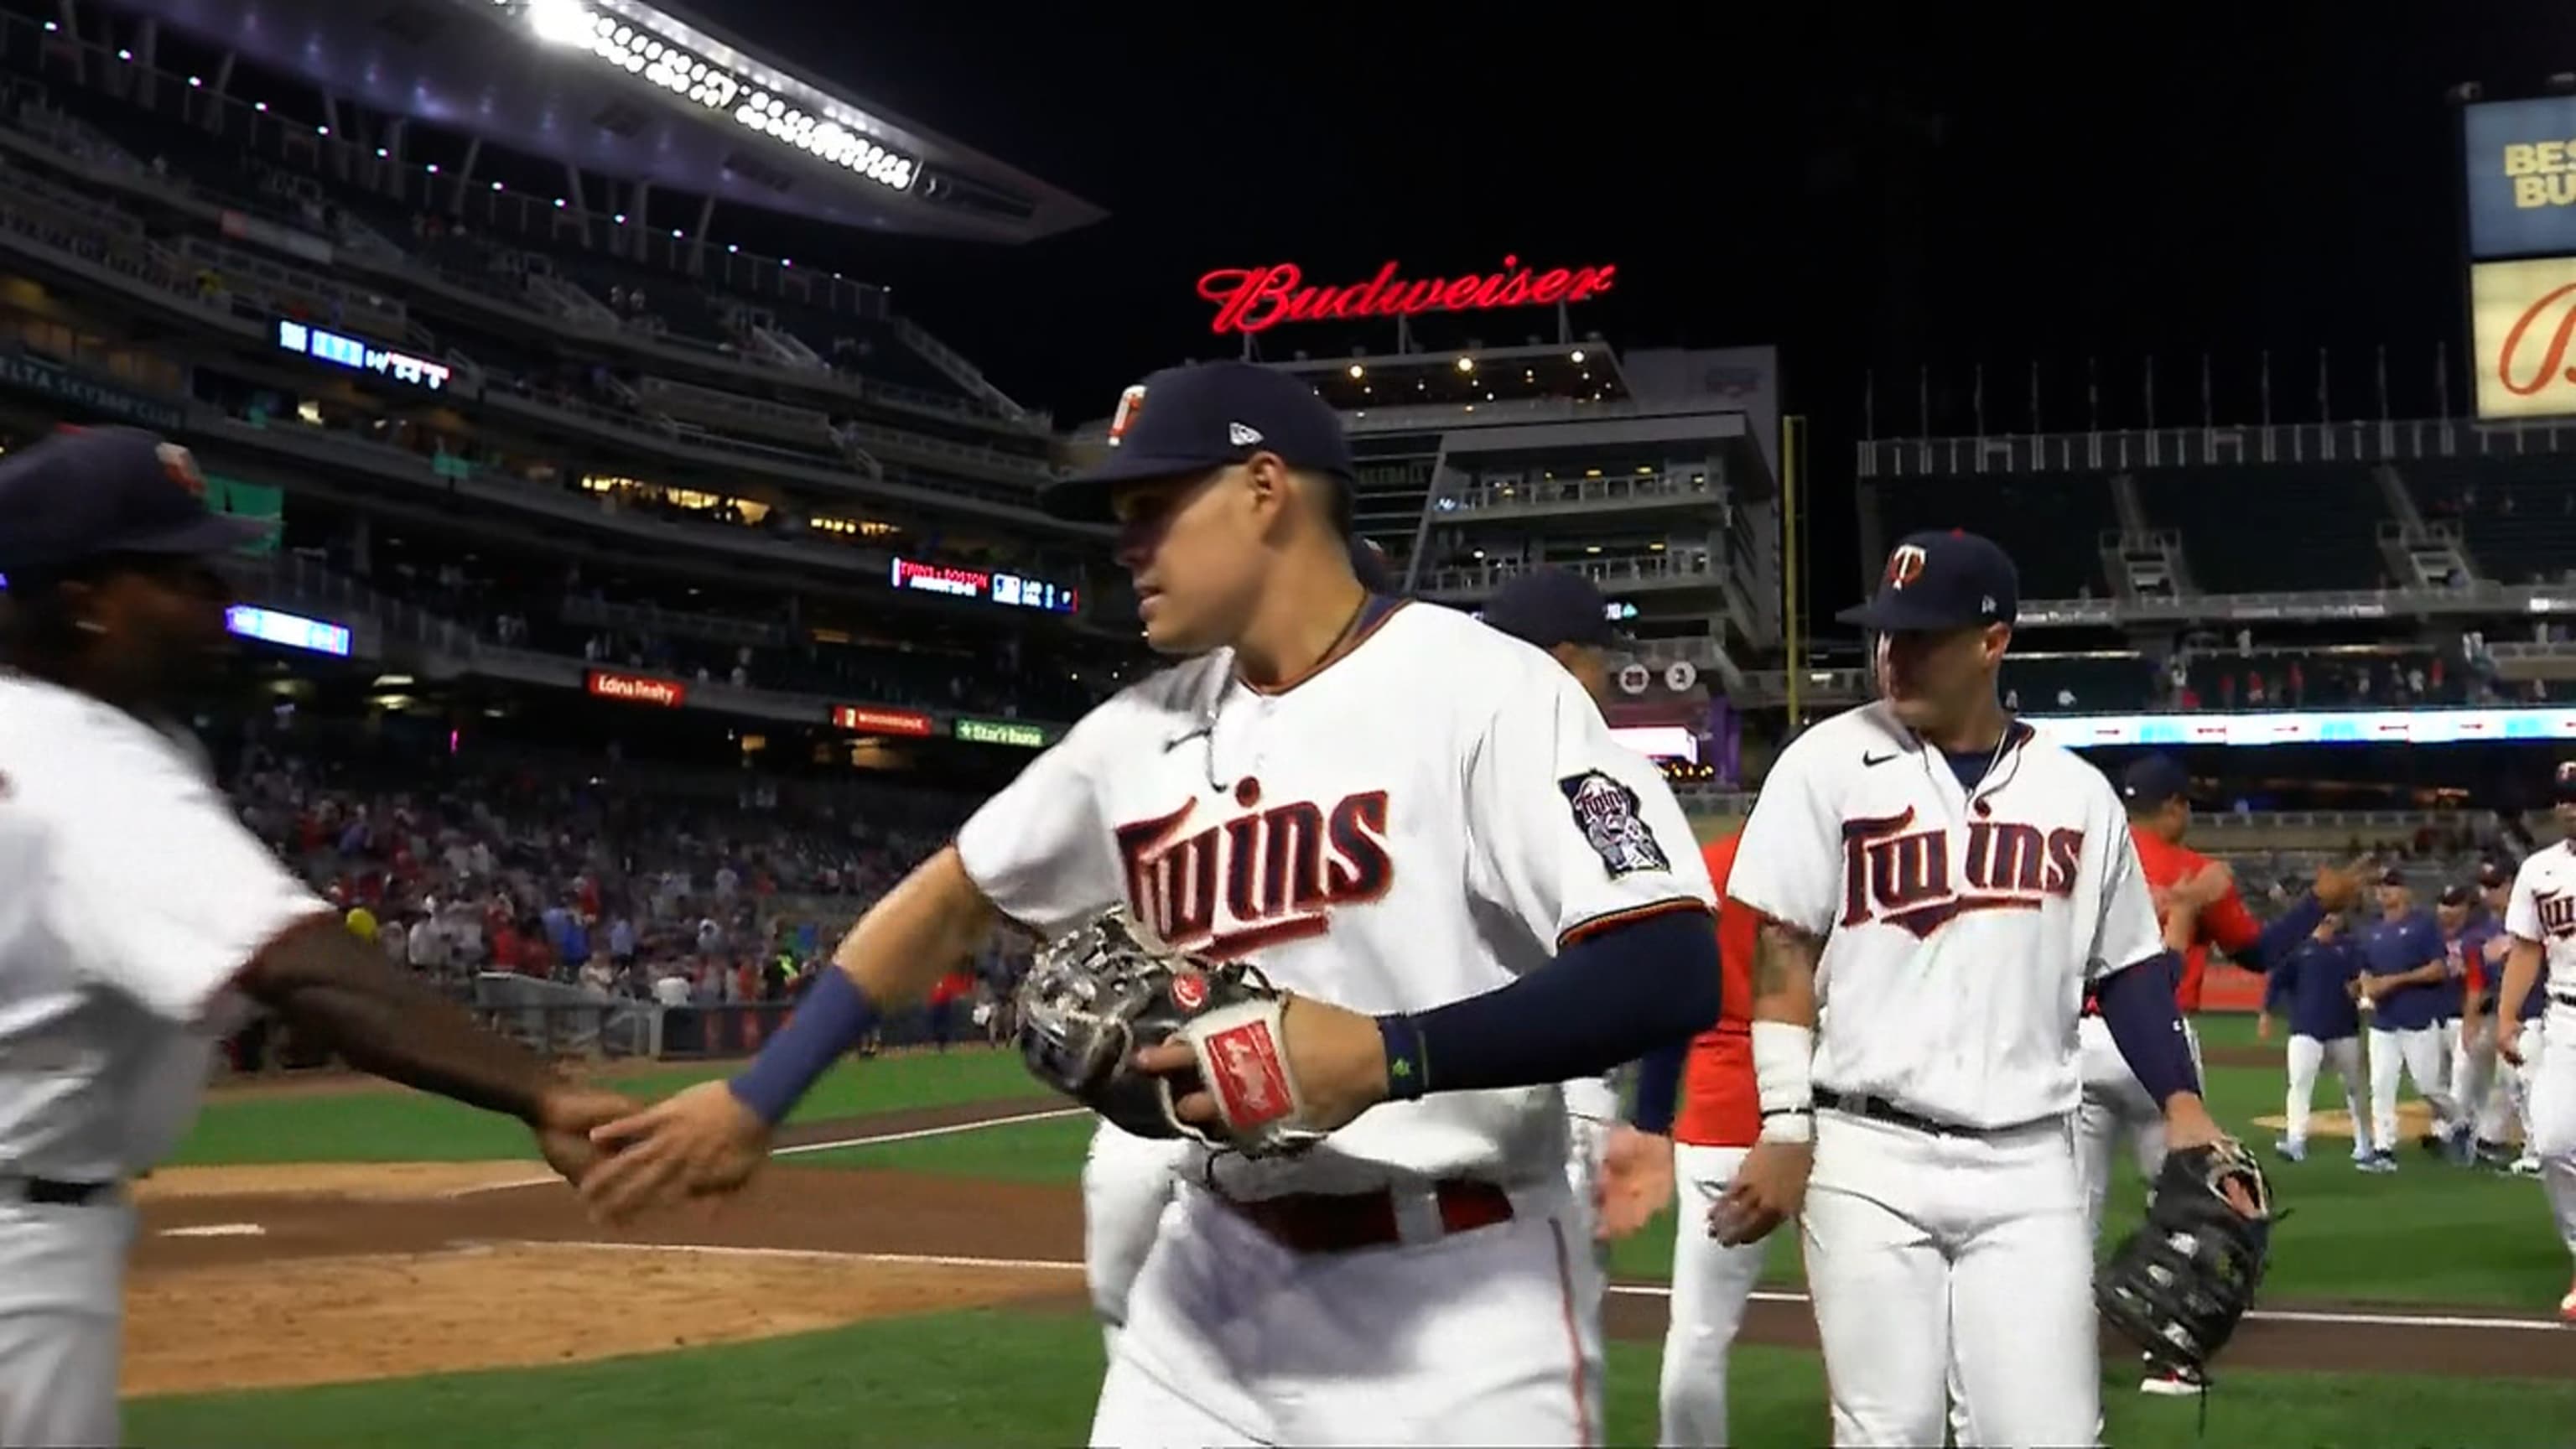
(1256, 299)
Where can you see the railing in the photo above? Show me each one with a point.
(2475, 597)
(680, 399)
(623, 1027)
(1669, 486)
(953, 365)
(648, 618)
(1655, 568)
(787, 349)
(569, 301)
(82, 250)
(288, 289)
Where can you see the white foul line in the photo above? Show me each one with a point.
(878, 1139)
(1625, 1290)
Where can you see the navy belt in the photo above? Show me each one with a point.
(1879, 1109)
(54, 1192)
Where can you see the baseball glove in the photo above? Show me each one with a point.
(2179, 1285)
(1108, 988)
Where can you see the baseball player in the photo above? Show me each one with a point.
(2473, 948)
(1945, 886)
(2541, 919)
(2313, 987)
(2495, 889)
(1128, 1180)
(2198, 908)
(2404, 966)
(1718, 1121)
(143, 922)
(1383, 805)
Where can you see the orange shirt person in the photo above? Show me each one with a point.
(1718, 1120)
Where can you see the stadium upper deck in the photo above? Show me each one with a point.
(645, 92)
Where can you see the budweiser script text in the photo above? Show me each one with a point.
(1255, 299)
(2553, 357)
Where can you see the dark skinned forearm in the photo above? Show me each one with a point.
(322, 981)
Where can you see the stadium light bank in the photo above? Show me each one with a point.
(647, 44)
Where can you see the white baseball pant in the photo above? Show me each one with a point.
(2514, 1082)
(1923, 1248)
(2421, 1053)
(1712, 1284)
(1127, 1182)
(2474, 1078)
(1587, 1139)
(62, 1322)
(2304, 1055)
(2550, 1067)
(1469, 1339)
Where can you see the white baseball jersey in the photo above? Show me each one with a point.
(1426, 818)
(1960, 927)
(134, 898)
(2542, 908)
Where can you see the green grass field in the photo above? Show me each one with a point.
(2429, 1235)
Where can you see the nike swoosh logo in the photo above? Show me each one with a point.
(1872, 762)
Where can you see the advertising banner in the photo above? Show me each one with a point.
(869, 719)
(2521, 163)
(1018, 733)
(2520, 318)
(638, 688)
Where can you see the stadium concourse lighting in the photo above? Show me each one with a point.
(710, 84)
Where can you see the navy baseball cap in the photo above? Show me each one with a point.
(2152, 781)
(2392, 877)
(2454, 895)
(1548, 607)
(1187, 420)
(87, 493)
(1938, 580)
(2492, 876)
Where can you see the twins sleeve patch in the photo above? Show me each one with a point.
(1250, 1080)
(1607, 813)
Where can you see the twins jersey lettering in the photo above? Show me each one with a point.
(1960, 927)
(2542, 908)
(1427, 817)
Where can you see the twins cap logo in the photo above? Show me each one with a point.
(181, 465)
(1905, 565)
(1130, 403)
(1242, 435)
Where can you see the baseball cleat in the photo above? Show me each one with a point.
(2180, 1384)
(2291, 1151)
(2379, 1162)
(2527, 1165)
(2567, 1307)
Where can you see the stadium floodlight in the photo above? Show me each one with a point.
(560, 22)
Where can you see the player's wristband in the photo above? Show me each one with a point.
(1408, 1071)
(1783, 1056)
(832, 1018)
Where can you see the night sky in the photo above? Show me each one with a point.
(1872, 188)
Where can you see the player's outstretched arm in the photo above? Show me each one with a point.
(709, 1139)
(2521, 974)
(383, 1021)
(1771, 1185)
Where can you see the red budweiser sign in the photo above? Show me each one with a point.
(638, 688)
(1256, 299)
(870, 720)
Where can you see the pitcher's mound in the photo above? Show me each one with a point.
(2414, 1119)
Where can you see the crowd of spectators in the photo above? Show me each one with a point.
(595, 877)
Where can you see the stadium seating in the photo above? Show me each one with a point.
(2517, 516)
(2050, 526)
(2272, 530)
(2080, 684)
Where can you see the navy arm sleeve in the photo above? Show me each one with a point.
(1659, 1088)
(2281, 979)
(2286, 931)
(1636, 988)
(2146, 1025)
